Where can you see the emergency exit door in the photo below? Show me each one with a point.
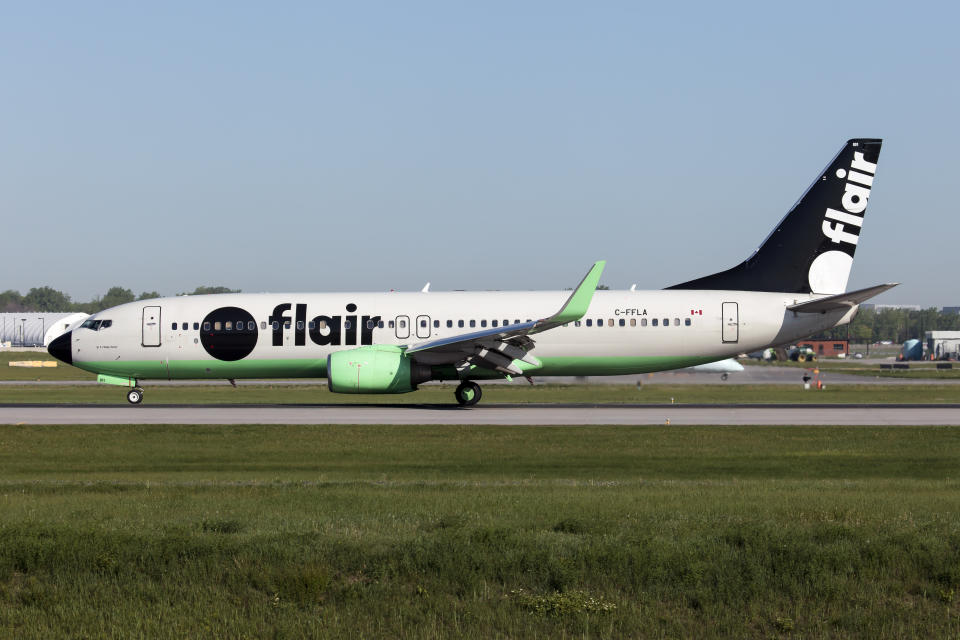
(731, 322)
(151, 327)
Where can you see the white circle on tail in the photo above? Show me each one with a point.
(829, 272)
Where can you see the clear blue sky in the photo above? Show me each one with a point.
(369, 146)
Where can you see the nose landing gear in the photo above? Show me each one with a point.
(468, 393)
(135, 395)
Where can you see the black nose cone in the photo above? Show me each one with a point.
(60, 348)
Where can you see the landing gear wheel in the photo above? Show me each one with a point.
(135, 395)
(468, 394)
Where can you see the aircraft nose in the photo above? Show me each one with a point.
(61, 349)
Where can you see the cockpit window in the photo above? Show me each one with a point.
(96, 325)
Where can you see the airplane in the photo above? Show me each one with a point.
(792, 286)
(723, 367)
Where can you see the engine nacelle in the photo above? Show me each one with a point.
(378, 368)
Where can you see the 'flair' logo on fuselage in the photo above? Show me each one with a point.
(856, 192)
(323, 329)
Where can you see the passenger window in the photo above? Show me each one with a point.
(174, 326)
(183, 326)
(275, 326)
(206, 326)
(686, 321)
(516, 322)
(473, 323)
(228, 325)
(589, 322)
(436, 324)
(633, 322)
(299, 325)
(380, 324)
(483, 323)
(423, 323)
(369, 324)
(599, 322)
(643, 322)
(323, 325)
(403, 324)
(610, 322)
(506, 322)
(286, 325)
(493, 324)
(449, 324)
(263, 325)
(623, 322)
(577, 323)
(460, 323)
(666, 322)
(347, 325)
(676, 322)
(216, 326)
(390, 324)
(654, 323)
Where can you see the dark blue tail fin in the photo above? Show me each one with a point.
(811, 250)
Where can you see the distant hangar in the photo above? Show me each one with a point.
(31, 329)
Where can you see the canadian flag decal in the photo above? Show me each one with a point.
(696, 312)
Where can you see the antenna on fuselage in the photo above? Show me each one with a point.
(426, 288)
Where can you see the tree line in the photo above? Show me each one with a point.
(897, 325)
(48, 299)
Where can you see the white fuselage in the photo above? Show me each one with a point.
(622, 332)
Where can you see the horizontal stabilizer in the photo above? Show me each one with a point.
(841, 300)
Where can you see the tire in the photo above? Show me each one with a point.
(135, 395)
(468, 394)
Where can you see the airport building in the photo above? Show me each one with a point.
(827, 348)
(942, 345)
(26, 329)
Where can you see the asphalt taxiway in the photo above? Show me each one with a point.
(492, 414)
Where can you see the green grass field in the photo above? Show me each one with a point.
(492, 394)
(480, 532)
(60, 372)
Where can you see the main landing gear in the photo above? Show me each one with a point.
(135, 395)
(468, 393)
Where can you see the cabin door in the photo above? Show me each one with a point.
(151, 327)
(731, 322)
(403, 327)
(423, 326)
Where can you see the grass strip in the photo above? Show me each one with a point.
(438, 531)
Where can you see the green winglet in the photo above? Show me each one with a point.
(579, 301)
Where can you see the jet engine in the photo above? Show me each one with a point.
(374, 369)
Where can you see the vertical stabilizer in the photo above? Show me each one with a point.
(811, 250)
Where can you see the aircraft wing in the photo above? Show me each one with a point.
(841, 300)
(497, 348)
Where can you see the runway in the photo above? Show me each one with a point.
(892, 415)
